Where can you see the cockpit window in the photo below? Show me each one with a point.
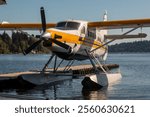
(61, 24)
(68, 25)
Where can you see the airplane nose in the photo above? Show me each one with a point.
(46, 35)
(47, 39)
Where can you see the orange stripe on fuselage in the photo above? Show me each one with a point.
(71, 38)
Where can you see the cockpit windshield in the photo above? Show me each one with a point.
(67, 25)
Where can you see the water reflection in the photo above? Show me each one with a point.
(134, 84)
(66, 90)
(94, 95)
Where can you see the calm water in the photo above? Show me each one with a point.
(135, 84)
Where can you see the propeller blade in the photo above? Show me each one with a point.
(43, 19)
(34, 45)
(57, 36)
(63, 45)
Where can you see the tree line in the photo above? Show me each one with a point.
(137, 46)
(18, 42)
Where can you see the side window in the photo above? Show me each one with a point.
(83, 30)
(92, 33)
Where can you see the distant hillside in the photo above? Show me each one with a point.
(17, 43)
(137, 46)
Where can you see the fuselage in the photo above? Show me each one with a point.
(78, 37)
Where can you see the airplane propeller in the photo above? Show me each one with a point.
(34, 45)
(43, 19)
(46, 36)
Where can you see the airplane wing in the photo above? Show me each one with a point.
(118, 24)
(24, 26)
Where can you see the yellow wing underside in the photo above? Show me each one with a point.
(116, 24)
(25, 26)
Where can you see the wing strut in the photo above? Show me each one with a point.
(114, 39)
(95, 62)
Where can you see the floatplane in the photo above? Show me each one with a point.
(77, 40)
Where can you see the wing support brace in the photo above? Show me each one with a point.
(140, 35)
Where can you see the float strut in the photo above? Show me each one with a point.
(44, 68)
(55, 64)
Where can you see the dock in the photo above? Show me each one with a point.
(30, 79)
(77, 70)
(19, 80)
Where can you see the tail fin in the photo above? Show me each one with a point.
(101, 33)
(105, 16)
(101, 38)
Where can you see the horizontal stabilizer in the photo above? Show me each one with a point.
(140, 35)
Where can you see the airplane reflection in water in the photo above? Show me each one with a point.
(69, 89)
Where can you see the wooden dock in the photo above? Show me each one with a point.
(76, 70)
(16, 81)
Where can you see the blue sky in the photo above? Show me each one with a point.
(56, 10)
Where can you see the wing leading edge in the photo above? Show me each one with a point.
(118, 24)
(114, 24)
(24, 26)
